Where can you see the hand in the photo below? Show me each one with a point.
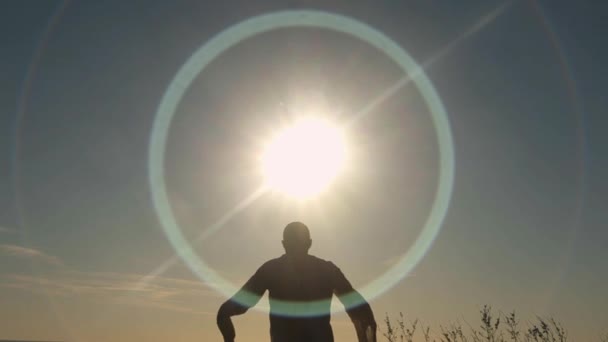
(370, 334)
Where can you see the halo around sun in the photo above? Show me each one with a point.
(303, 159)
(211, 50)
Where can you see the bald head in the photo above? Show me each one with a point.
(296, 238)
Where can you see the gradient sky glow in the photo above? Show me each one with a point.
(83, 256)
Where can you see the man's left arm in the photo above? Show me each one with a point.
(244, 299)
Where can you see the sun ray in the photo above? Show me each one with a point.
(402, 82)
(174, 259)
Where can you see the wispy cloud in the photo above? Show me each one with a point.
(173, 294)
(167, 293)
(6, 230)
(29, 253)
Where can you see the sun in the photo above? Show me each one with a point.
(302, 160)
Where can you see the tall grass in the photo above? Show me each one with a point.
(493, 328)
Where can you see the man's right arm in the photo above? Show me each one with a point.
(357, 308)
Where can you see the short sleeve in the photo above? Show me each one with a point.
(340, 284)
(251, 292)
(258, 283)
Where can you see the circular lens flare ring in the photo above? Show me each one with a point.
(286, 19)
(304, 159)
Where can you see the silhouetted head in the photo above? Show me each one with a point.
(296, 239)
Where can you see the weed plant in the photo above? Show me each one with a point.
(499, 327)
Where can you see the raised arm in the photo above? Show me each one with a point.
(244, 299)
(357, 308)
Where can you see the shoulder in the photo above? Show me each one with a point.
(330, 266)
(271, 264)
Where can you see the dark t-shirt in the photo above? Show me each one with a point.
(300, 292)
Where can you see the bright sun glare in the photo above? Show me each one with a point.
(302, 160)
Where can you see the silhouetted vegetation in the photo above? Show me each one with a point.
(493, 328)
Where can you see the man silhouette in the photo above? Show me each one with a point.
(295, 281)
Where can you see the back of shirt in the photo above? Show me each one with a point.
(300, 292)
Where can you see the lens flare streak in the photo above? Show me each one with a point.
(421, 70)
(217, 225)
